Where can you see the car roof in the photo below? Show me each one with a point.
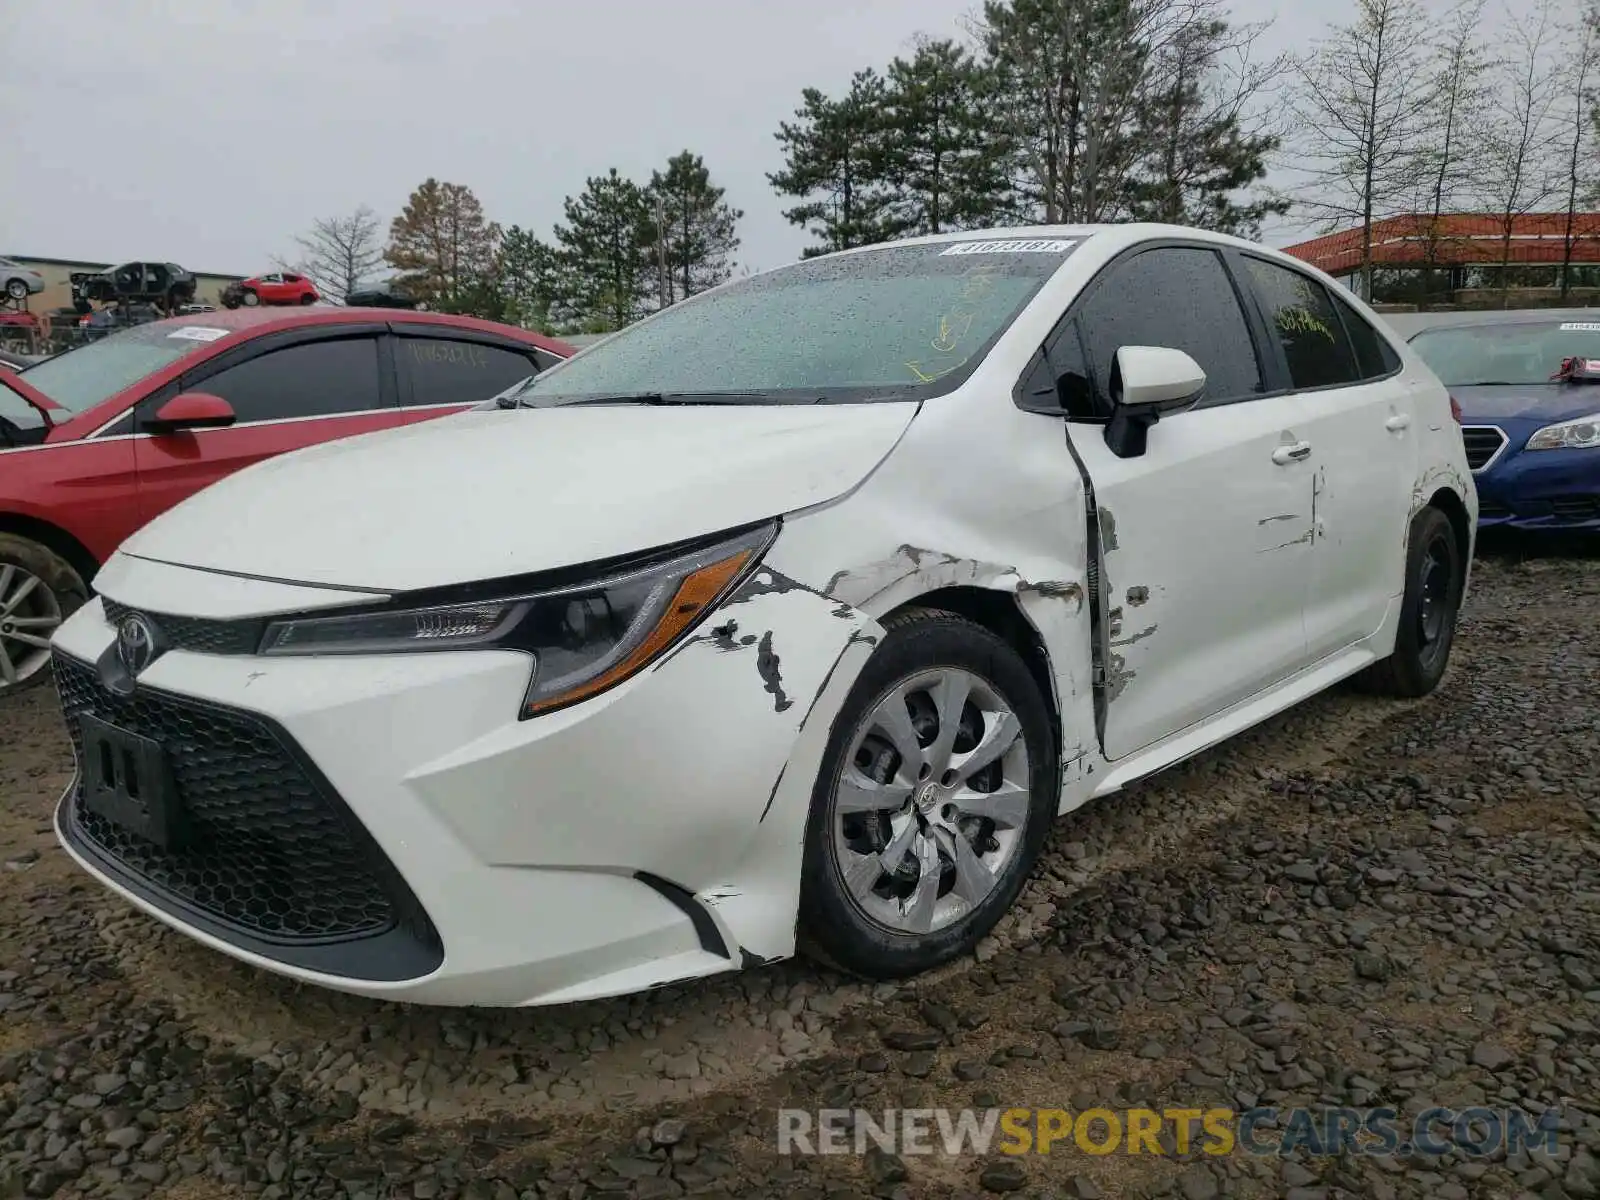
(266, 319)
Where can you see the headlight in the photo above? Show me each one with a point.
(583, 638)
(1581, 434)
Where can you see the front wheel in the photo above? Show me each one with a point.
(1436, 574)
(250, 299)
(38, 590)
(308, 298)
(17, 289)
(936, 794)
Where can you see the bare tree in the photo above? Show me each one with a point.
(1578, 118)
(1361, 106)
(1520, 173)
(339, 253)
(1449, 155)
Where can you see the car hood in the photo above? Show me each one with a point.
(485, 495)
(1544, 402)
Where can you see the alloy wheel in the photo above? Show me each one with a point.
(933, 801)
(29, 613)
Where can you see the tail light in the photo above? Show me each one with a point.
(1455, 409)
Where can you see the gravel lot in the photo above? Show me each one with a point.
(1361, 902)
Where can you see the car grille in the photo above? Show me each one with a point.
(198, 634)
(272, 858)
(1483, 442)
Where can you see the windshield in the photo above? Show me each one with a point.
(82, 377)
(896, 323)
(1523, 353)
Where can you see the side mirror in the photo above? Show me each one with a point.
(1147, 381)
(192, 410)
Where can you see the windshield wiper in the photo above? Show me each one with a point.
(659, 399)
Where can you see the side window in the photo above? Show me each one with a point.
(443, 371)
(1301, 315)
(1374, 355)
(311, 380)
(1181, 298)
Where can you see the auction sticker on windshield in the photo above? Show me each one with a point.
(1015, 246)
(1581, 326)
(198, 333)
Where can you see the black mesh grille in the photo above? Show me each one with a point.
(1575, 508)
(198, 634)
(1482, 443)
(270, 852)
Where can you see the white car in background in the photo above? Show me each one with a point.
(19, 282)
(792, 615)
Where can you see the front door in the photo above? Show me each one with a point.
(285, 398)
(1205, 537)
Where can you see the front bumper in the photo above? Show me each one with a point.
(463, 856)
(1554, 490)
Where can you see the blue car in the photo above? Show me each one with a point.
(1528, 386)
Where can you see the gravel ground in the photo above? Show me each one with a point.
(1361, 902)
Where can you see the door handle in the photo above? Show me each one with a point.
(1397, 422)
(1284, 455)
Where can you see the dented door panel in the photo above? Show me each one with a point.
(1204, 547)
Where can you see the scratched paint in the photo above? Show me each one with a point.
(1108, 529)
(768, 666)
(1138, 596)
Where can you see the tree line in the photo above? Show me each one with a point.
(624, 249)
(1070, 111)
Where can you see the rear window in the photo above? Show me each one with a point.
(1521, 353)
(86, 375)
(895, 323)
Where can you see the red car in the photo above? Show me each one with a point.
(280, 287)
(98, 440)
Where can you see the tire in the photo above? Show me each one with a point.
(17, 289)
(250, 299)
(863, 930)
(32, 609)
(1435, 578)
(308, 298)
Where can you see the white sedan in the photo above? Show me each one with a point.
(789, 617)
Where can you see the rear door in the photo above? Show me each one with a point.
(442, 370)
(1204, 537)
(289, 391)
(1357, 414)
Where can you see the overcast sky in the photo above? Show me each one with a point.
(210, 132)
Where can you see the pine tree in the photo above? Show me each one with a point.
(605, 248)
(442, 245)
(834, 161)
(531, 279)
(1072, 72)
(945, 159)
(699, 228)
(1197, 157)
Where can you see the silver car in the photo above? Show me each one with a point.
(18, 281)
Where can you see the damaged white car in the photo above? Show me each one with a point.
(789, 617)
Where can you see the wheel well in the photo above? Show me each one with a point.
(998, 613)
(1451, 505)
(55, 539)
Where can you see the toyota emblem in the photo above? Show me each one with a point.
(136, 643)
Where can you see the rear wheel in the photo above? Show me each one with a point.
(308, 298)
(17, 289)
(1435, 578)
(38, 590)
(937, 792)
